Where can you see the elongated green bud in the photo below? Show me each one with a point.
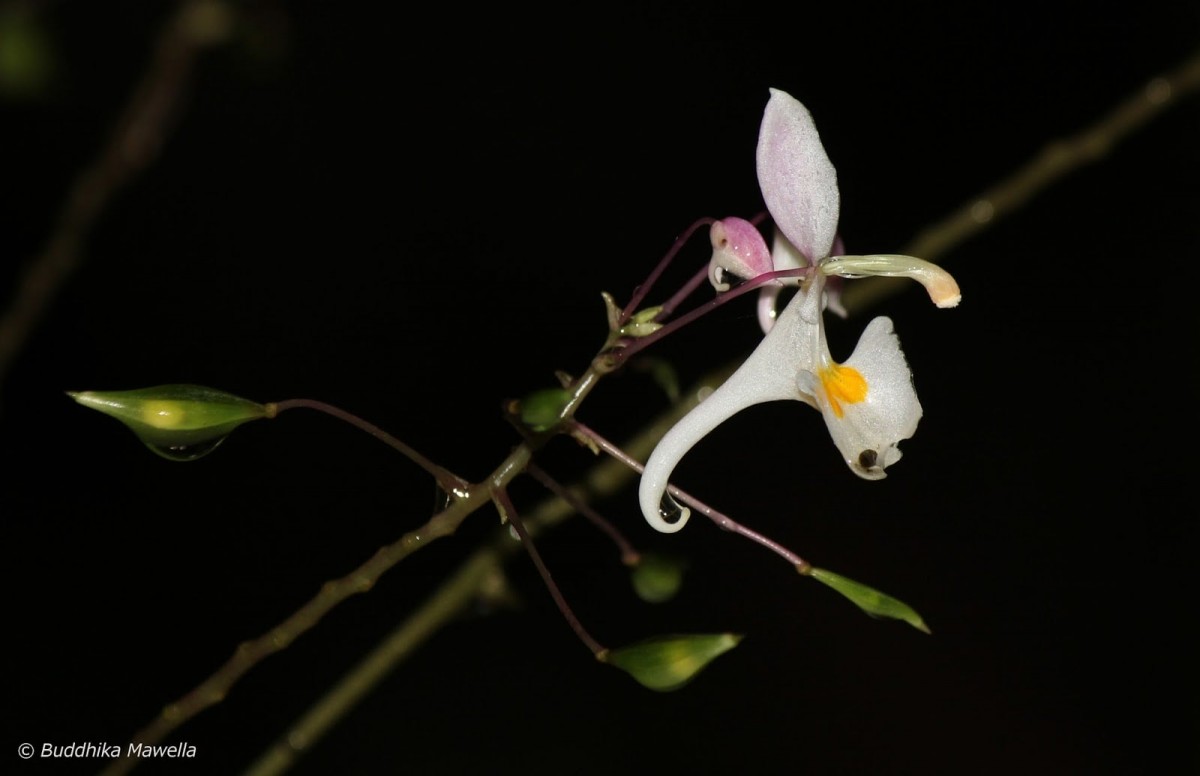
(541, 409)
(657, 578)
(179, 422)
(870, 600)
(666, 663)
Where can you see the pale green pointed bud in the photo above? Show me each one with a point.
(646, 315)
(657, 578)
(636, 330)
(179, 422)
(540, 410)
(870, 600)
(642, 323)
(666, 663)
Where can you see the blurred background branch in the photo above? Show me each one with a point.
(138, 136)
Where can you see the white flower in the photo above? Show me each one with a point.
(868, 402)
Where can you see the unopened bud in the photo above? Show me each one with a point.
(642, 323)
(666, 663)
(870, 600)
(541, 409)
(657, 578)
(179, 422)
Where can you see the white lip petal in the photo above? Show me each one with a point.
(798, 182)
(868, 433)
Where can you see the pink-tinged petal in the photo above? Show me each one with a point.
(738, 250)
(769, 374)
(799, 184)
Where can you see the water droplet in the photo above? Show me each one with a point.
(671, 510)
(185, 452)
(441, 499)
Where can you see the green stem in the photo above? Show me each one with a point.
(604, 479)
(248, 654)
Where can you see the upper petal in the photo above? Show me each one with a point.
(869, 402)
(799, 184)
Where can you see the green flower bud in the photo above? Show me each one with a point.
(179, 422)
(657, 578)
(644, 329)
(666, 663)
(646, 315)
(540, 410)
(868, 599)
(642, 323)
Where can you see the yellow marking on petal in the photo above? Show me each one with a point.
(842, 383)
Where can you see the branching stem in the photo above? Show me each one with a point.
(629, 556)
(141, 130)
(505, 505)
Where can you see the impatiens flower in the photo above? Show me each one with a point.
(868, 402)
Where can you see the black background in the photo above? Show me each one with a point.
(411, 215)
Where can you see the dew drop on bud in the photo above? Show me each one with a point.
(185, 452)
